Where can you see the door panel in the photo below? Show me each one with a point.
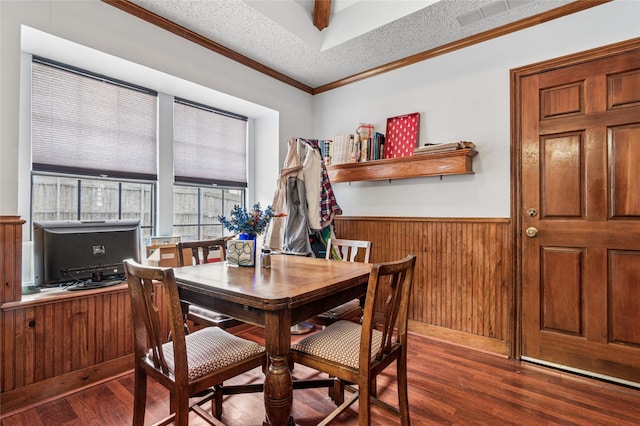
(561, 292)
(624, 301)
(562, 171)
(625, 185)
(580, 156)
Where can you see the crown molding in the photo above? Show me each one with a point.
(187, 34)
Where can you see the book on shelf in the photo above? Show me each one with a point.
(443, 147)
(378, 146)
(365, 131)
(356, 152)
(325, 149)
(342, 149)
(364, 156)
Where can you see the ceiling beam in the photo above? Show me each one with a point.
(321, 12)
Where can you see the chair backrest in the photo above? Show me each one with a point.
(388, 291)
(348, 249)
(147, 329)
(198, 247)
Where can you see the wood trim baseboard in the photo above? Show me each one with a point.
(424, 219)
(28, 396)
(481, 343)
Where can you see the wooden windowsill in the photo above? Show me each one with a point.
(53, 295)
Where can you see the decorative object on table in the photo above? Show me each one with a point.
(402, 135)
(265, 259)
(248, 224)
(241, 252)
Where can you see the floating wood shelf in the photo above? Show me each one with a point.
(447, 163)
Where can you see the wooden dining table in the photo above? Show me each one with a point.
(294, 289)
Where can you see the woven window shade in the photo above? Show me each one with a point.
(83, 123)
(210, 146)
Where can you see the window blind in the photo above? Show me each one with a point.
(209, 145)
(83, 123)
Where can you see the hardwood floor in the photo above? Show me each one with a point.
(448, 385)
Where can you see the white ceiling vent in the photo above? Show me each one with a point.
(489, 10)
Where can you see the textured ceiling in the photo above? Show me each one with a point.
(362, 34)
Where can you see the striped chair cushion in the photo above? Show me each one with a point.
(339, 343)
(211, 349)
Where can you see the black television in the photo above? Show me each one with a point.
(83, 254)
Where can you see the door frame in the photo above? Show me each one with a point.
(516, 77)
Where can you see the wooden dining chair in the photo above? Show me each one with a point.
(200, 251)
(357, 353)
(347, 250)
(188, 364)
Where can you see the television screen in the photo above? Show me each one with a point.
(77, 251)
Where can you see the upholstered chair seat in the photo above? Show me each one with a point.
(209, 350)
(338, 343)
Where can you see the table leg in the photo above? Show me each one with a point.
(278, 385)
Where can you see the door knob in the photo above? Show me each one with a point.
(531, 232)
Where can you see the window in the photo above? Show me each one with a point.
(93, 143)
(95, 153)
(209, 154)
(196, 210)
(67, 197)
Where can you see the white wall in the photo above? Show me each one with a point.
(464, 95)
(108, 37)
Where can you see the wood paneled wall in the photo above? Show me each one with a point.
(58, 341)
(462, 292)
(463, 283)
(10, 258)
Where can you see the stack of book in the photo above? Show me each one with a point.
(339, 150)
(369, 149)
(443, 147)
(351, 149)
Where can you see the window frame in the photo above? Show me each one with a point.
(224, 209)
(159, 185)
(146, 228)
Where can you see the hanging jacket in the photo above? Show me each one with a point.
(304, 196)
(290, 232)
(328, 205)
(274, 238)
(312, 175)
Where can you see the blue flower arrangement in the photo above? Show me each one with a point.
(253, 222)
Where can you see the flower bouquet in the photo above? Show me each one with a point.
(248, 222)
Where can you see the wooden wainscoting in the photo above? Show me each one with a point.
(463, 283)
(61, 341)
(10, 258)
(57, 341)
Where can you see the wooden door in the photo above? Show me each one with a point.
(580, 214)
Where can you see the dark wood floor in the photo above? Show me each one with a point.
(448, 385)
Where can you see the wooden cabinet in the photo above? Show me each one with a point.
(447, 163)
